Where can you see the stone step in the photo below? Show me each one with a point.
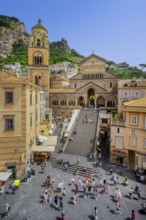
(73, 168)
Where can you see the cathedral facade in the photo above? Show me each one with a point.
(93, 86)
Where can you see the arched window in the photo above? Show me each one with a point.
(110, 84)
(75, 85)
(38, 58)
(38, 43)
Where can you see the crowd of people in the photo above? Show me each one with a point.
(91, 186)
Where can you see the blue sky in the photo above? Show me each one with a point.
(113, 29)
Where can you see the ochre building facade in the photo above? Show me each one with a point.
(20, 120)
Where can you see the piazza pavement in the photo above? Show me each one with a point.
(27, 202)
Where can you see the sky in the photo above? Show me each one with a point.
(113, 29)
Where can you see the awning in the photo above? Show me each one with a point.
(121, 154)
(42, 138)
(4, 176)
(48, 141)
(44, 149)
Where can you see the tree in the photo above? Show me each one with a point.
(142, 66)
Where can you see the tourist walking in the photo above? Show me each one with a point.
(96, 213)
(63, 192)
(56, 201)
(133, 215)
(111, 171)
(117, 208)
(115, 180)
(45, 197)
(78, 160)
(42, 168)
(74, 198)
(96, 194)
(7, 209)
(101, 183)
(84, 191)
(61, 203)
(62, 215)
(130, 192)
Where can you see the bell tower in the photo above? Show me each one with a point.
(38, 56)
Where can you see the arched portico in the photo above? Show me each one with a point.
(81, 101)
(91, 97)
(100, 102)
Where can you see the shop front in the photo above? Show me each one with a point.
(4, 176)
(119, 158)
(40, 152)
(45, 148)
(141, 156)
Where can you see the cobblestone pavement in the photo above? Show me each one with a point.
(27, 202)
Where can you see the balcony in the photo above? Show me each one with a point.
(118, 123)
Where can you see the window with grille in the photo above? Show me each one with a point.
(134, 119)
(119, 130)
(133, 132)
(8, 97)
(9, 124)
(132, 141)
(119, 142)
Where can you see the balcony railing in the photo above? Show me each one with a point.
(118, 123)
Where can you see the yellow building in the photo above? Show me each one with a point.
(38, 59)
(19, 120)
(128, 136)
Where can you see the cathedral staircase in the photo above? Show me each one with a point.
(83, 134)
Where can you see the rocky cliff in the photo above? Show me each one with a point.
(11, 30)
(14, 41)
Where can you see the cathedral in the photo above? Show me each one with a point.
(93, 86)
